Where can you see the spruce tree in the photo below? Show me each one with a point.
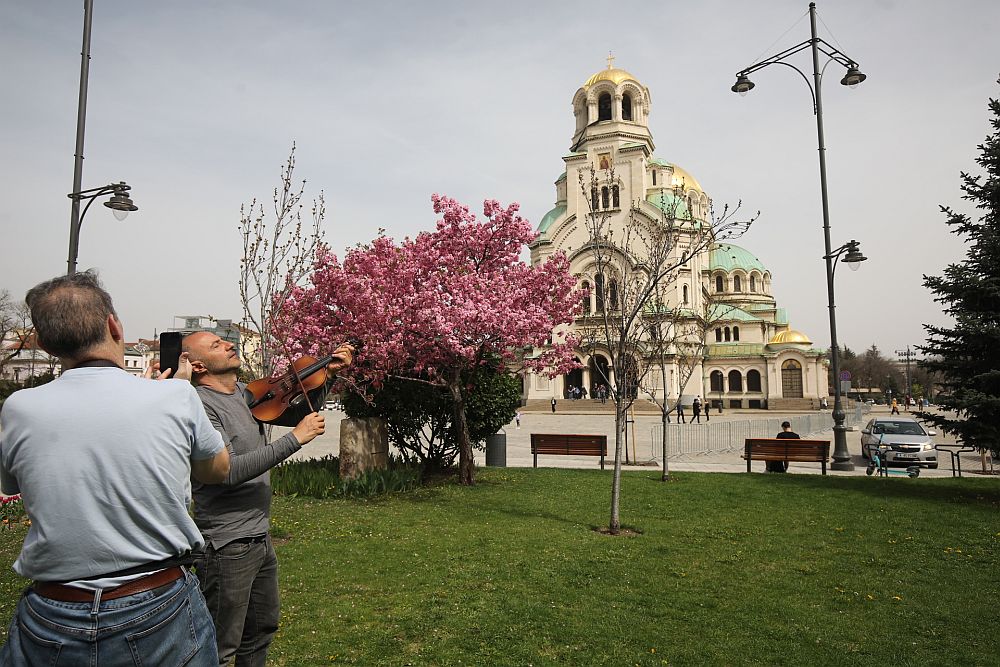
(966, 356)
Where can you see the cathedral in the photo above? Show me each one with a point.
(752, 358)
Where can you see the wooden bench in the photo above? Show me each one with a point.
(790, 449)
(569, 445)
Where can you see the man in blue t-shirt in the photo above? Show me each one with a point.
(103, 461)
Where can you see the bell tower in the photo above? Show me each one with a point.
(611, 107)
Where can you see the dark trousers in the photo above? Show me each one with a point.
(240, 583)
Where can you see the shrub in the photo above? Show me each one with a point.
(320, 478)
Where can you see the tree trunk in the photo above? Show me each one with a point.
(663, 434)
(615, 526)
(466, 469)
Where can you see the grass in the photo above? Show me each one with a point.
(726, 570)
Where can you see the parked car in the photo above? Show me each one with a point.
(904, 440)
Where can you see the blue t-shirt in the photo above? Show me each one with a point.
(102, 460)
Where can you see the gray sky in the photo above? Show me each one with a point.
(196, 104)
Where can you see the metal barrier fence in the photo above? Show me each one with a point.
(721, 436)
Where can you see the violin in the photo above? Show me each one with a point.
(270, 398)
(285, 399)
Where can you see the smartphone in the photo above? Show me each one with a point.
(170, 350)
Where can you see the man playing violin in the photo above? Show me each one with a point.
(239, 570)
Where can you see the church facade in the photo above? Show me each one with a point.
(752, 358)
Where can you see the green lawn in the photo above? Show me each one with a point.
(728, 569)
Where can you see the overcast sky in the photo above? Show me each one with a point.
(196, 103)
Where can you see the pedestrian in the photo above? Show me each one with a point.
(517, 418)
(696, 410)
(895, 408)
(583, 393)
(786, 434)
(239, 569)
(602, 392)
(679, 408)
(553, 403)
(102, 461)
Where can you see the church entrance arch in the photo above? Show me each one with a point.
(791, 379)
(600, 373)
(573, 379)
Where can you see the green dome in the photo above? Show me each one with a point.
(550, 217)
(669, 203)
(728, 257)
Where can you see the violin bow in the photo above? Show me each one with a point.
(302, 387)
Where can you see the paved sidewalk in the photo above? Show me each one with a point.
(641, 448)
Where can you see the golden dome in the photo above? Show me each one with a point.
(612, 74)
(681, 176)
(790, 336)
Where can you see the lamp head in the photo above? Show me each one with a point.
(743, 85)
(120, 203)
(853, 258)
(853, 77)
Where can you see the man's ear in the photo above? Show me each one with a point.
(116, 329)
(197, 366)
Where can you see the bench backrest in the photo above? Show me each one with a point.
(765, 446)
(560, 443)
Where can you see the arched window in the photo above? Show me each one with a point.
(718, 334)
(604, 107)
(613, 295)
(614, 196)
(753, 283)
(753, 380)
(736, 334)
(715, 381)
(735, 381)
(626, 107)
(727, 334)
(737, 284)
(654, 177)
(685, 290)
(719, 284)
(599, 292)
(593, 198)
(586, 297)
(604, 197)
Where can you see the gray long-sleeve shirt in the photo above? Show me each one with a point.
(240, 506)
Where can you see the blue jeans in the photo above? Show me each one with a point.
(166, 626)
(240, 583)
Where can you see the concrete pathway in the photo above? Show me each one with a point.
(642, 451)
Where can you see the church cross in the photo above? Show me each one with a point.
(611, 60)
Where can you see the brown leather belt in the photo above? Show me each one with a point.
(65, 593)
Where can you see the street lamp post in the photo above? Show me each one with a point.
(743, 85)
(119, 202)
(906, 356)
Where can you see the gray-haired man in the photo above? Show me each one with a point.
(103, 461)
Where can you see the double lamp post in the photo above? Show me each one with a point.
(849, 252)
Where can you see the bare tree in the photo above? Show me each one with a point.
(676, 339)
(277, 255)
(637, 265)
(17, 333)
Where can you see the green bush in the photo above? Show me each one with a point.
(320, 478)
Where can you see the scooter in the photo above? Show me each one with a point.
(878, 463)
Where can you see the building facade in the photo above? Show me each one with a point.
(751, 358)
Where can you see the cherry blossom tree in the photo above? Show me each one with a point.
(432, 307)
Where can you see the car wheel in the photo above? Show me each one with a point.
(933, 466)
(864, 453)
